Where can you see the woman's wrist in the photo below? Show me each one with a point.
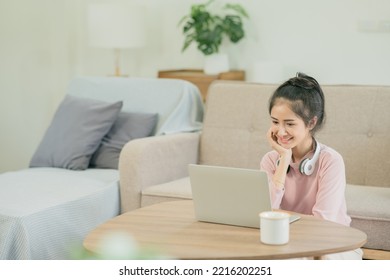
(285, 157)
(279, 177)
(279, 184)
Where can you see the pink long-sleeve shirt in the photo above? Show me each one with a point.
(321, 194)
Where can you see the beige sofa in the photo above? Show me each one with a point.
(235, 124)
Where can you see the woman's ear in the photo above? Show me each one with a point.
(312, 123)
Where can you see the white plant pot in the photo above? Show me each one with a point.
(216, 63)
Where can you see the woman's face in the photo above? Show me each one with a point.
(289, 129)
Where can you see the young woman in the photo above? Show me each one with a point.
(305, 176)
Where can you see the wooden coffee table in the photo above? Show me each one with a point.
(172, 228)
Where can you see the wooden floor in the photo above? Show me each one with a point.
(370, 254)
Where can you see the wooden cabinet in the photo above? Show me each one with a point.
(200, 79)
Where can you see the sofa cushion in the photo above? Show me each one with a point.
(75, 133)
(175, 190)
(369, 208)
(128, 126)
(235, 124)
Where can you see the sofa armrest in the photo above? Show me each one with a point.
(154, 160)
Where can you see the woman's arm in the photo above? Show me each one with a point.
(268, 164)
(279, 175)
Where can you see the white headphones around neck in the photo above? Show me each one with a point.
(306, 167)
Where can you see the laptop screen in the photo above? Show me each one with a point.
(229, 195)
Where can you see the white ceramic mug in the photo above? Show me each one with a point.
(274, 227)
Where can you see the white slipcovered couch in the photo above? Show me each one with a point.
(45, 212)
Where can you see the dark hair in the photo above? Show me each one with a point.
(306, 98)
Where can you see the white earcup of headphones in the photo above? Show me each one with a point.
(307, 165)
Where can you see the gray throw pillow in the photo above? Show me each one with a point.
(75, 133)
(127, 127)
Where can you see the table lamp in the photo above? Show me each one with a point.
(115, 26)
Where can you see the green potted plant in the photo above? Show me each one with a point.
(208, 29)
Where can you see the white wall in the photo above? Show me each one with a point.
(33, 74)
(43, 45)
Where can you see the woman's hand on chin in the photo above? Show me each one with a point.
(273, 141)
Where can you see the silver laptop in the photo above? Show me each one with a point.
(227, 195)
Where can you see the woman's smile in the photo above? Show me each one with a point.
(285, 140)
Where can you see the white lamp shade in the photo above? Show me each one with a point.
(115, 26)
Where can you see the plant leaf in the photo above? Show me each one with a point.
(187, 42)
(183, 19)
(233, 28)
(238, 9)
(208, 30)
